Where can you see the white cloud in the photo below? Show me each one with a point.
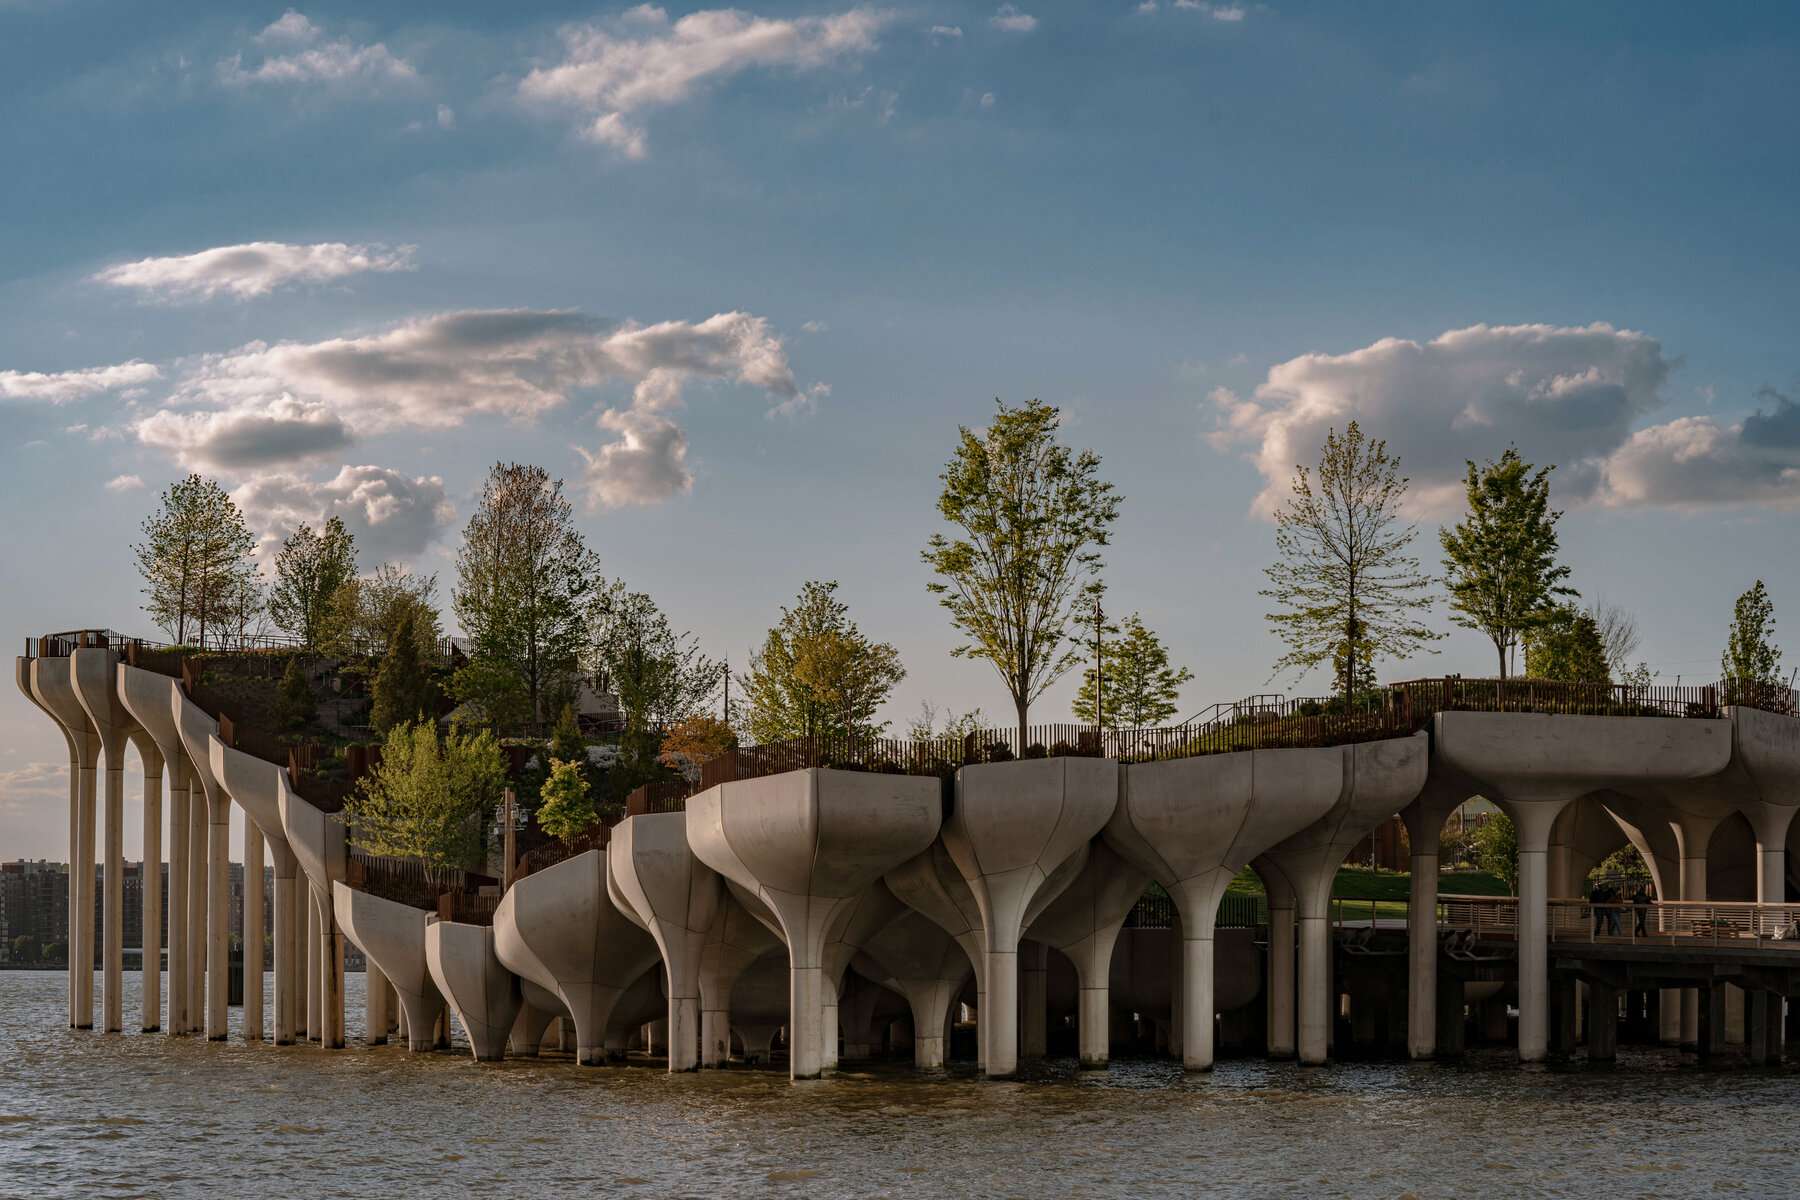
(252, 269)
(1694, 462)
(1563, 395)
(394, 516)
(124, 483)
(306, 56)
(60, 387)
(641, 61)
(1010, 20)
(1228, 13)
(987, 100)
(941, 32)
(814, 327)
(263, 405)
(446, 117)
(31, 787)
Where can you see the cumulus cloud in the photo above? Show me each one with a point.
(942, 32)
(252, 269)
(32, 786)
(1694, 462)
(1010, 20)
(613, 71)
(263, 405)
(124, 483)
(60, 387)
(1564, 395)
(393, 515)
(296, 51)
(1228, 13)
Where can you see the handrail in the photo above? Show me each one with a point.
(1674, 923)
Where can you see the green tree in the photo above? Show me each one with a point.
(309, 571)
(428, 799)
(491, 695)
(565, 803)
(25, 949)
(659, 675)
(1567, 644)
(195, 562)
(1500, 561)
(1344, 583)
(298, 707)
(1751, 664)
(1353, 668)
(525, 581)
(1033, 516)
(404, 689)
(1494, 846)
(375, 606)
(817, 674)
(1137, 685)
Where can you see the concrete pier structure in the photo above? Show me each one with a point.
(735, 940)
(392, 936)
(484, 994)
(915, 957)
(930, 883)
(676, 898)
(806, 844)
(24, 669)
(92, 671)
(1083, 924)
(53, 686)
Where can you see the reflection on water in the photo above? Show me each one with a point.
(84, 1115)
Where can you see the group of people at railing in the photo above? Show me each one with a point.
(1611, 903)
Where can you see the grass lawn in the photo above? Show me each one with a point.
(1388, 889)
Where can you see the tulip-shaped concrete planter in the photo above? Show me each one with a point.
(483, 993)
(559, 929)
(1084, 924)
(930, 884)
(1191, 824)
(676, 897)
(1014, 825)
(807, 844)
(914, 956)
(392, 936)
(735, 940)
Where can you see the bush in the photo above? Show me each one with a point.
(297, 706)
(565, 804)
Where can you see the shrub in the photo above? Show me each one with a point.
(565, 803)
(297, 706)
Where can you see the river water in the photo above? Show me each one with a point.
(86, 1115)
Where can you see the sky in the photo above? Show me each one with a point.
(737, 276)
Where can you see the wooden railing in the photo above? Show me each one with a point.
(1682, 924)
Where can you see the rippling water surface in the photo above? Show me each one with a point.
(84, 1115)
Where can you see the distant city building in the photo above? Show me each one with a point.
(34, 905)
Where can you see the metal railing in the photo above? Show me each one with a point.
(1682, 924)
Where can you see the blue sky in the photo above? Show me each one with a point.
(737, 277)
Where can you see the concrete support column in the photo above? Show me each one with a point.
(1668, 1016)
(331, 979)
(1712, 1023)
(312, 966)
(1034, 998)
(81, 956)
(114, 925)
(1693, 887)
(1177, 1042)
(73, 938)
(253, 931)
(1533, 817)
(198, 833)
(178, 895)
(375, 1007)
(1449, 1015)
(1603, 1022)
(150, 937)
(1198, 1009)
(1315, 992)
(806, 1021)
(1770, 821)
(715, 1038)
(828, 1023)
(1000, 1012)
(218, 912)
(1422, 944)
(287, 987)
(1282, 1040)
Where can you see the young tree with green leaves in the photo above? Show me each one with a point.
(1033, 516)
(370, 609)
(565, 802)
(1751, 664)
(1495, 848)
(659, 675)
(310, 569)
(1136, 686)
(526, 581)
(1345, 583)
(428, 799)
(297, 705)
(195, 562)
(817, 674)
(1567, 645)
(404, 690)
(1500, 560)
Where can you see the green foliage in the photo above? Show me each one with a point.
(566, 741)
(404, 689)
(296, 703)
(199, 580)
(565, 804)
(1500, 561)
(390, 596)
(1136, 685)
(309, 571)
(1494, 845)
(1344, 584)
(495, 693)
(428, 799)
(927, 725)
(1567, 645)
(1751, 663)
(1033, 516)
(660, 676)
(817, 674)
(24, 949)
(1625, 864)
(525, 582)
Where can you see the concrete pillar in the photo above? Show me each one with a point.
(1421, 933)
(1712, 1023)
(1734, 1015)
(114, 926)
(312, 965)
(82, 954)
(1315, 992)
(1177, 1006)
(253, 932)
(287, 985)
(218, 912)
(150, 934)
(1533, 816)
(179, 823)
(1449, 1015)
(1668, 1016)
(1281, 986)
(375, 1007)
(1603, 1022)
(331, 979)
(74, 883)
(1034, 998)
(197, 909)
(1693, 887)
(1770, 822)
